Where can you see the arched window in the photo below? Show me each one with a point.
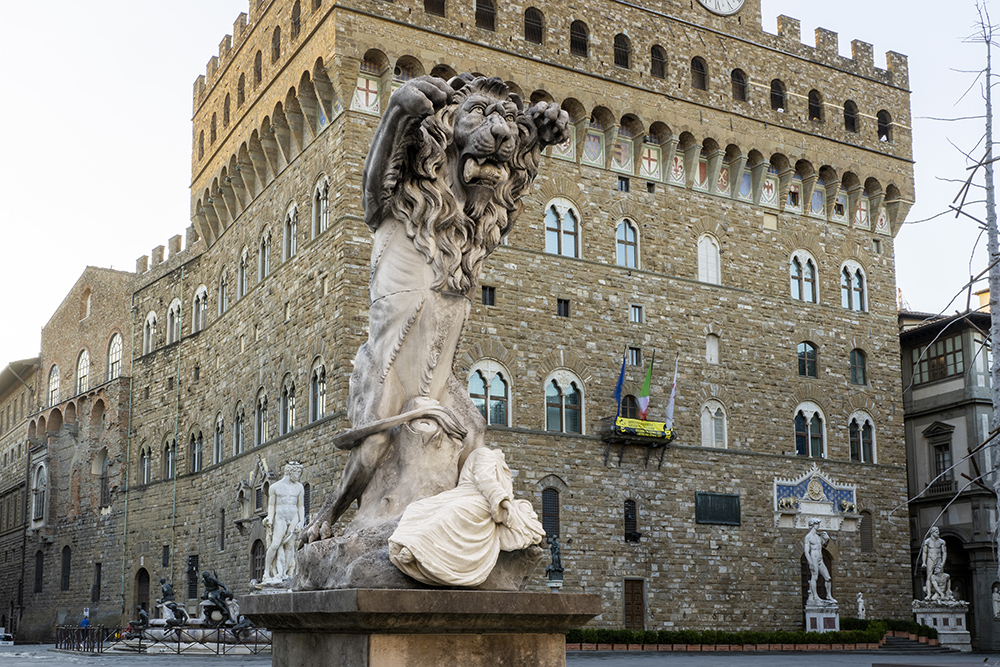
(213, 131)
(115, 357)
(53, 385)
(807, 359)
(631, 521)
(712, 349)
(321, 207)
(709, 261)
(810, 436)
(739, 80)
(197, 452)
(713, 425)
(490, 394)
(264, 256)
(862, 438)
(623, 51)
(201, 144)
(317, 392)
(815, 105)
(145, 466)
(218, 448)
(699, 74)
(658, 60)
(550, 512)
(778, 96)
(486, 14)
(239, 428)
(296, 20)
(629, 407)
(578, 38)
(199, 314)
(174, 322)
(39, 493)
(563, 407)
(257, 68)
(260, 434)
(850, 116)
(291, 234)
(287, 408)
(257, 553)
(884, 125)
(225, 112)
(223, 294)
(243, 275)
(628, 244)
(852, 287)
(241, 90)
(65, 571)
(859, 367)
(534, 25)
(435, 7)
(83, 372)
(170, 459)
(867, 533)
(276, 44)
(803, 277)
(562, 229)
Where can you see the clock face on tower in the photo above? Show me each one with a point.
(723, 7)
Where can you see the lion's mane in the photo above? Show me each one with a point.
(456, 241)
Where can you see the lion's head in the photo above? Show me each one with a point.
(462, 178)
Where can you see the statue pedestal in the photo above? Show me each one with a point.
(822, 617)
(948, 618)
(419, 628)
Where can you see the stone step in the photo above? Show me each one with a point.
(905, 644)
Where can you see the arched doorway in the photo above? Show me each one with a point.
(142, 589)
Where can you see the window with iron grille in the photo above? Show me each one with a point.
(867, 533)
(192, 577)
(632, 533)
(658, 58)
(39, 574)
(629, 407)
(699, 74)
(578, 38)
(95, 590)
(489, 295)
(222, 530)
(850, 116)
(166, 555)
(623, 51)
(257, 560)
(562, 307)
(486, 14)
(435, 7)
(64, 575)
(534, 25)
(739, 80)
(550, 512)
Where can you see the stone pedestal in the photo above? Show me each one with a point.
(948, 618)
(822, 617)
(419, 628)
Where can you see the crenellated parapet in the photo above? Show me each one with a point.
(163, 259)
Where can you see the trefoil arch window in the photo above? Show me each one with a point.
(218, 446)
(223, 294)
(149, 334)
(243, 275)
(861, 435)
(145, 465)
(853, 288)
(53, 385)
(288, 408)
(260, 434)
(564, 405)
(317, 392)
(627, 242)
(713, 425)
(562, 228)
(321, 207)
(709, 260)
(291, 233)
(83, 372)
(170, 459)
(199, 314)
(264, 256)
(197, 452)
(803, 277)
(239, 430)
(174, 322)
(490, 393)
(810, 434)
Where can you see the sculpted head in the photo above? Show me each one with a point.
(814, 522)
(935, 532)
(293, 470)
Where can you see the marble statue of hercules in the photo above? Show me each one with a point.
(285, 515)
(933, 553)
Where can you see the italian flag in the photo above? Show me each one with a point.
(643, 398)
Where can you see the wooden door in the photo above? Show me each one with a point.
(635, 605)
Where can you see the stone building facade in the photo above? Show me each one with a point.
(728, 198)
(948, 414)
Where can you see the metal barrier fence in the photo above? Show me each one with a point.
(217, 641)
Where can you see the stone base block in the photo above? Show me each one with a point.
(419, 628)
(822, 618)
(948, 618)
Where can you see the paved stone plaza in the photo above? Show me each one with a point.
(41, 655)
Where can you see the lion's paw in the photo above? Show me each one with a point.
(551, 121)
(423, 95)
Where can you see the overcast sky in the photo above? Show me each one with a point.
(96, 109)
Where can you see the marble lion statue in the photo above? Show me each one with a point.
(442, 187)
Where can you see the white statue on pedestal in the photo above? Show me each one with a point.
(455, 537)
(814, 543)
(933, 554)
(285, 516)
(862, 609)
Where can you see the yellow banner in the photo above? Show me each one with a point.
(643, 428)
